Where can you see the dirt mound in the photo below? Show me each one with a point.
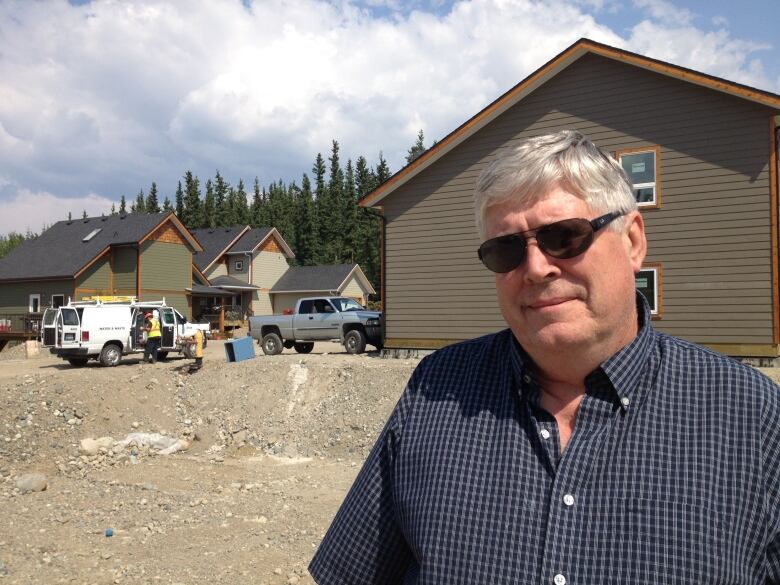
(272, 445)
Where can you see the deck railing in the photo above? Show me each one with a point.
(21, 323)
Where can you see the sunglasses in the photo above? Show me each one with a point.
(562, 239)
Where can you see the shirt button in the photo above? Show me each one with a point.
(559, 579)
(625, 401)
(527, 379)
(568, 499)
(545, 434)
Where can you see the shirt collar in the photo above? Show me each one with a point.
(623, 371)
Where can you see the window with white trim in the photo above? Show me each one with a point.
(647, 284)
(35, 303)
(57, 301)
(641, 170)
(239, 265)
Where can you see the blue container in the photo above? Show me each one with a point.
(238, 350)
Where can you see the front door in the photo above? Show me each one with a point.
(168, 326)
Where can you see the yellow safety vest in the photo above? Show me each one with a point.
(154, 328)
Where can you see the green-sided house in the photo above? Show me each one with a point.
(145, 256)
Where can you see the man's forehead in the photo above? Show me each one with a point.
(553, 205)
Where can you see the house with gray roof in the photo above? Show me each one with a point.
(145, 256)
(343, 280)
(244, 261)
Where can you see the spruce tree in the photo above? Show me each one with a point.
(240, 204)
(167, 205)
(221, 189)
(140, 202)
(193, 207)
(417, 148)
(382, 171)
(152, 205)
(84, 214)
(259, 210)
(210, 207)
(113, 209)
(122, 205)
(349, 211)
(307, 242)
(179, 201)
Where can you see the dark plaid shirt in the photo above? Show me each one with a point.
(671, 476)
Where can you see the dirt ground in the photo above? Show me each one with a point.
(273, 445)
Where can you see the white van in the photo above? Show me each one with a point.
(105, 331)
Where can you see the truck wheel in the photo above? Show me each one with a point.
(272, 344)
(304, 347)
(355, 341)
(161, 355)
(188, 351)
(77, 362)
(288, 344)
(110, 355)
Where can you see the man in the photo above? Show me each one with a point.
(579, 446)
(154, 336)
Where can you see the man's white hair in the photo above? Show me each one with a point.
(526, 172)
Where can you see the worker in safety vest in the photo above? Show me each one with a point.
(154, 337)
(198, 351)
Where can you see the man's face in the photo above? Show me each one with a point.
(555, 305)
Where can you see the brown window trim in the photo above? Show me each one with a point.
(652, 148)
(659, 282)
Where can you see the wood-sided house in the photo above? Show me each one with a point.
(701, 151)
(244, 261)
(342, 280)
(145, 256)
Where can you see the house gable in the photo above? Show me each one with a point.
(712, 234)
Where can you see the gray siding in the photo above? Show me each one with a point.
(711, 234)
(97, 278)
(242, 274)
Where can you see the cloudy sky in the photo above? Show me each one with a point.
(100, 98)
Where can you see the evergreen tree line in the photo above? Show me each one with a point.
(319, 218)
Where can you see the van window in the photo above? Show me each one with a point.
(179, 317)
(69, 317)
(167, 316)
(49, 317)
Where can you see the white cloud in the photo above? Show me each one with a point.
(35, 210)
(109, 96)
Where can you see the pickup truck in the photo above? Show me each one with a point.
(319, 319)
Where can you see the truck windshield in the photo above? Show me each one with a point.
(347, 305)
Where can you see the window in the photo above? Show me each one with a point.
(167, 317)
(239, 265)
(648, 283)
(641, 166)
(57, 300)
(92, 234)
(35, 304)
(323, 306)
(306, 307)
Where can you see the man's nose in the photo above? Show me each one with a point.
(538, 265)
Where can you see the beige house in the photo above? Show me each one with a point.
(338, 280)
(702, 153)
(244, 261)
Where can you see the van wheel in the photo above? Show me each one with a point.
(77, 362)
(272, 344)
(304, 347)
(188, 351)
(110, 355)
(355, 341)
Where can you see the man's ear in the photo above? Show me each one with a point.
(636, 242)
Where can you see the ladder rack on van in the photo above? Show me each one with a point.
(116, 300)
